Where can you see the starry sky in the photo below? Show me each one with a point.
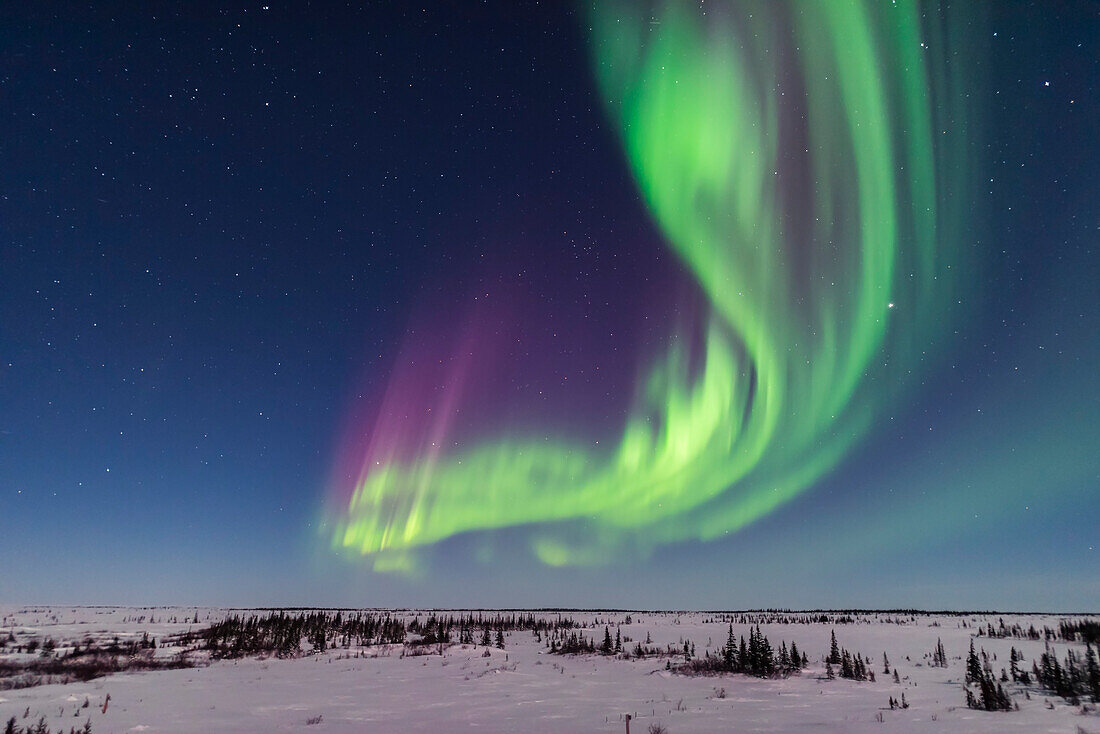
(401, 305)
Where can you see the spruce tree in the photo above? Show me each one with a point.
(1057, 677)
(940, 657)
(846, 665)
(729, 652)
(1092, 674)
(834, 651)
(754, 653)
(973, 666)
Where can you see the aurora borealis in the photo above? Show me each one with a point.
(811, 220)
(660, 304)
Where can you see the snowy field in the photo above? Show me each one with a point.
(525, 688)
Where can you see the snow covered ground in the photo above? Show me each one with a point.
(523, 688)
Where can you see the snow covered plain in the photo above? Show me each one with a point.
(524, 688)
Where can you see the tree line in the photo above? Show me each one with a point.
(280, 633)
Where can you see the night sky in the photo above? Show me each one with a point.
(514, 304)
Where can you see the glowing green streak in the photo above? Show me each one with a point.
(800, 290)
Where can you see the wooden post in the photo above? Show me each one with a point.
(628, 724)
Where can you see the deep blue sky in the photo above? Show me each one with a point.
(218, 227)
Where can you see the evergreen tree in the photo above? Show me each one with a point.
(753, 663)
(500, 638)
(846, 665)
(939, 657)
(885, 663)
(991, 694)
(1092, 673)
(729, 652)
(834, 651)
(765, 656)
(974, 671)
(607, 645)
(1004, 703)
(1045, 673)
(1057, 678)
(618, 641)
(829, 670)
(485, 639)
(1074, 678)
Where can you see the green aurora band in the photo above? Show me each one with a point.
(787, 153)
